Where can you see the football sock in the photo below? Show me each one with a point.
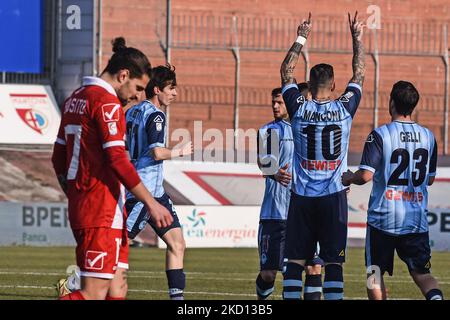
(313, 287)
(263, 289)
(333, 285)
(434, 294)
(292, 281)
(177, 282)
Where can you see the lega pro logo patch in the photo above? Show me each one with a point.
(111, 112)
(94, 260)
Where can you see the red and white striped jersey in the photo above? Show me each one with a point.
(90, 152)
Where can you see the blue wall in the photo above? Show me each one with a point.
(21, 35)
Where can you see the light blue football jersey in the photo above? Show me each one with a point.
(321, 132)
(275, 149)
(402, 155)
(146, 130)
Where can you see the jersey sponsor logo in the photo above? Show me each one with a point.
(321, 165)
(158, 119)
(112, 127)
(94, 260)
(35, 119)
(370, 138)
(111, 112)
(397, 195)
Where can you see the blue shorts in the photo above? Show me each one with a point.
(138, 216)
(413, 249)
(271, 243)
(313, 220)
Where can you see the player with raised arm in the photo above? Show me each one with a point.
(401, 158)
(275, 152)
(92, 166)
(321, 130)
(146, 132)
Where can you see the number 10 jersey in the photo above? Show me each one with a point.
(402, 155)
(321, 132)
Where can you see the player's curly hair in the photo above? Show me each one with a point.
(128, 58)
(162, 76)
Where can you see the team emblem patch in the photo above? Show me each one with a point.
(111, 112)
(301, 100)
(112, 127)
(370, 138)
(94, 260)
(346, 97)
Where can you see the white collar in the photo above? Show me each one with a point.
(95, 81)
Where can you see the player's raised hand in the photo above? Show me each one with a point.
(159, 214)
(347, 178)
(282, 176)
(304, 29)
(356, 27)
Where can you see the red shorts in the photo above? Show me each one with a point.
(100, 251)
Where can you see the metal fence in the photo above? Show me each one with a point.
(330, 35)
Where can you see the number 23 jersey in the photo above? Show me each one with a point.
(402, 156)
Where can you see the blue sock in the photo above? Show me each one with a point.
(177, 282)
(333, 284)
(434, 294)
(292, 283)
(263, 289)
(313, 287)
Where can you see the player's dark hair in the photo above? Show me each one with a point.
(276, 92)
(303, 88)
(321, 75)
(162, 76)
(405, 97)
(127, 58)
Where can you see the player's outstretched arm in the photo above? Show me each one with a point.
(358, 62)
(291, 59)
(161, 153)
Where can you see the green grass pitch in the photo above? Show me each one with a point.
(31, 272)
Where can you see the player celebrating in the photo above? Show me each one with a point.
(92, 167)
(401, 157)
(146, 131)
(275, 152)
(321, 130)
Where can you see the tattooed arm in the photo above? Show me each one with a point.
(291, 59)
(358, 62)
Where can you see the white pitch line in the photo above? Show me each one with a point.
(186, 292)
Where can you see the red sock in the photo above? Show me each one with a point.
(76, 295)
(108, 297)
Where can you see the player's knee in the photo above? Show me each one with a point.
(268, 275)
(314, 270)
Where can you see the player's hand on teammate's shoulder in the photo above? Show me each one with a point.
(356, 27)
(159, 214)
(283, 176)
(304, 29)
(347, 178)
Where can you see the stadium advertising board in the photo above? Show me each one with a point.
(35, 224)
(218, 226)
(46, 224)
(28, 115)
